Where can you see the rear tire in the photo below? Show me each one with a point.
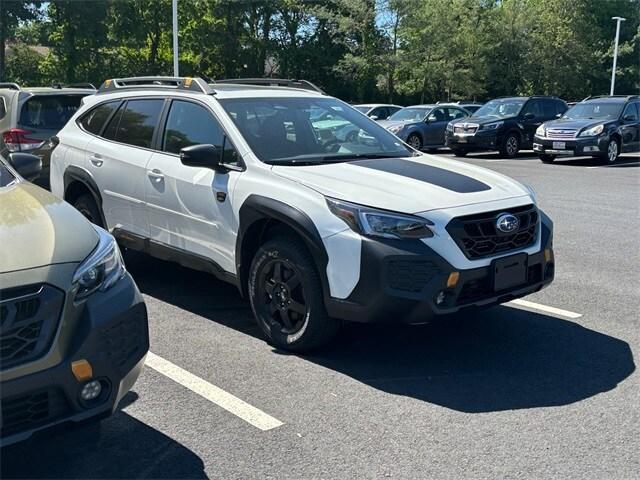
(286, 297)
(510, 145)
(547, 158)
(87, 206)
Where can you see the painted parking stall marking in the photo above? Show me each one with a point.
(227, 401)
(543, 308)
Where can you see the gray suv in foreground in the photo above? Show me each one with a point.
(73, 325)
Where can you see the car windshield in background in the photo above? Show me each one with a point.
(298, 131)
(508, 107)
(594, 110)
(410, 114)
(362, 109)
(6, 177)
(49, 112)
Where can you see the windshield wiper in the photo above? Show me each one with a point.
(336, 158)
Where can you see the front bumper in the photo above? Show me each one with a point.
(574, 147)
(481, 140)
(400, 282)
(112, 336)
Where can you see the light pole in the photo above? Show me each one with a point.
(175, 38)
(615, 52)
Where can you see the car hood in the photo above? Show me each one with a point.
(408, 185)
(394, 123)
(481, 120)
(38, 229)
(574, 124)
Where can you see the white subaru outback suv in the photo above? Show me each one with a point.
(251, 183)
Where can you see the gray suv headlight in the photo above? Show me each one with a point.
(101, 269)
(380, 223)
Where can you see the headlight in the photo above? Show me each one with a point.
(491, 126)
(379, 223)
(592, 132)
(449, 127)
(541, 131)
(101, 269)
(395, 129)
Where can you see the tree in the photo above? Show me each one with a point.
(12, 12)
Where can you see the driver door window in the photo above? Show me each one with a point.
(535, 107)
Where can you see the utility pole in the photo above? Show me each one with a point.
(175, 39)
(615, 52)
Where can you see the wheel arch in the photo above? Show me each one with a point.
(77, 182)
(260, 218)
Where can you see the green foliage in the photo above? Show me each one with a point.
(395, 50)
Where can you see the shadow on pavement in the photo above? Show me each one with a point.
(490, 360)
(118, 447)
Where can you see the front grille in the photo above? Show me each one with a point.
(126, 339)
(32, 410)
(28, 320)
(478, 237)
(562, 134)
(410, 276)
(468, 129)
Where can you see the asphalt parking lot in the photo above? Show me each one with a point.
(542, 389)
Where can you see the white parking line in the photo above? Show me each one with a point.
(230, 403)
(544, 308)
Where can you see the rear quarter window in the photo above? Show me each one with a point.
(3, 108)
(6, 177)
(135, 124)
(94, 120)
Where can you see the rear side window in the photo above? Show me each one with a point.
(3, 108)
(190, 124)
(135, 122)
(93, 121)
(49, 112)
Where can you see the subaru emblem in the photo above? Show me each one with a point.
(507, 223)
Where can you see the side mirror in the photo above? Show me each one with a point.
(204, 155)
(628, 118)
(373, 117)
(529, 116)
(430, 118)
(558, 115)
(27, 165)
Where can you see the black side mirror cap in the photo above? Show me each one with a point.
(204, 155)
(628, 118)
(27, 165)
(529, 116)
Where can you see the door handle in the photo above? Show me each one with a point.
(156, 175)
(97, 160)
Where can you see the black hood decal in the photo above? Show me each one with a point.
(426, 173)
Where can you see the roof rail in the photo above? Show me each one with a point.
(273, 82)
(86, 85)
(627, 97)
(10, 85)
(189, 84)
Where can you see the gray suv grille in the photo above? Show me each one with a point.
(29, 317)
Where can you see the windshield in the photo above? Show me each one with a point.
(592, 110)
(362, 109)
(412, 114)
(508, 107)
(6, 177)
(302, 131)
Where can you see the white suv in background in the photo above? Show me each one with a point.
(241, 181)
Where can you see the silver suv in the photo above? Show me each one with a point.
(30, 117)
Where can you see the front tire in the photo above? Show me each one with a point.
(87, 206)
(545, 158)
(459, 152)
(612, 152)
(415, 141)
(286, 297)
(510, 145)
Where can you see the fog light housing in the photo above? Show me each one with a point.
(91, 390)
(440, 298)
(548, 255)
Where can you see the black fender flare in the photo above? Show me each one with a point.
(257, 208)
(76, 174)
